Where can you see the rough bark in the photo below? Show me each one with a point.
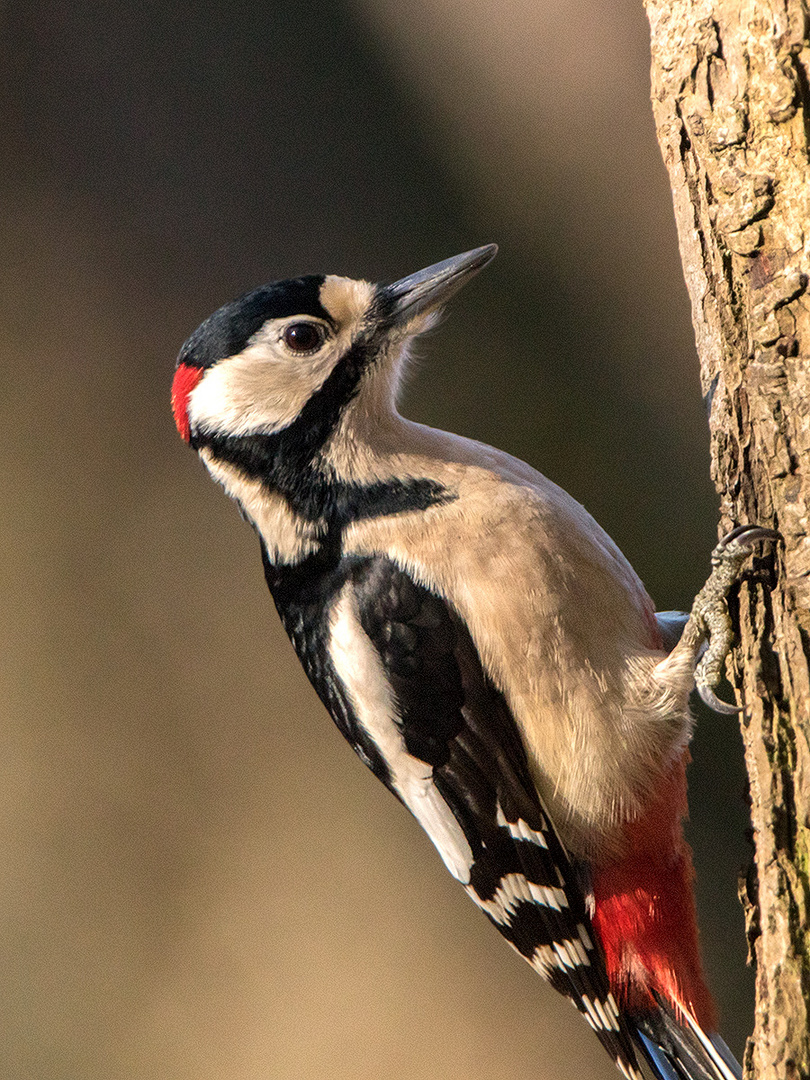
(731, 97)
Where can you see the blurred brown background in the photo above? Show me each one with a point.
(199, 879)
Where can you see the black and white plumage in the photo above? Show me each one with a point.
(477, 638)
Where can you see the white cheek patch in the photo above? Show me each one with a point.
(263, 388)
(358, 666)
(257, 391)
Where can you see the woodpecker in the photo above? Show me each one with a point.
(481, 643)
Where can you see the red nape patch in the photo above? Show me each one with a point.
(185, 379)
(645, 912)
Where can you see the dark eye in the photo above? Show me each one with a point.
(304, 337)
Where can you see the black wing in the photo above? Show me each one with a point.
(453, 718)
(449, 721)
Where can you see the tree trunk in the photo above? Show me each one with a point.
(731, 97)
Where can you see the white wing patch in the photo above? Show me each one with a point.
(519, 830)
(572, 953)
(600, 1014)
(563, 955)
(515, 889)
(627, 1070)
(358, 666)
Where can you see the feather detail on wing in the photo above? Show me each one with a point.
(448, 726)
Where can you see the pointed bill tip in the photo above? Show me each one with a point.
(427, 289)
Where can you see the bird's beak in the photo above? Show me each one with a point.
(422, 292)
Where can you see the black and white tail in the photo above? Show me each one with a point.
(677, 1048)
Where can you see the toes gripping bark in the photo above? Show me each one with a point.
(710, 619)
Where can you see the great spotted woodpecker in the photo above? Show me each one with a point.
(480, 641)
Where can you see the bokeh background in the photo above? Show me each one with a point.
(199, 880)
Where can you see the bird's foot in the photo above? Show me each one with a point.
(710, 616)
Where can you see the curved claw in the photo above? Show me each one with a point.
(742, 538)
(710, 610)
(709, 698)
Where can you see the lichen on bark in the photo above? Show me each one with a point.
(731, 99)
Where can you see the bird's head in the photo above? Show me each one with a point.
(287, 359)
